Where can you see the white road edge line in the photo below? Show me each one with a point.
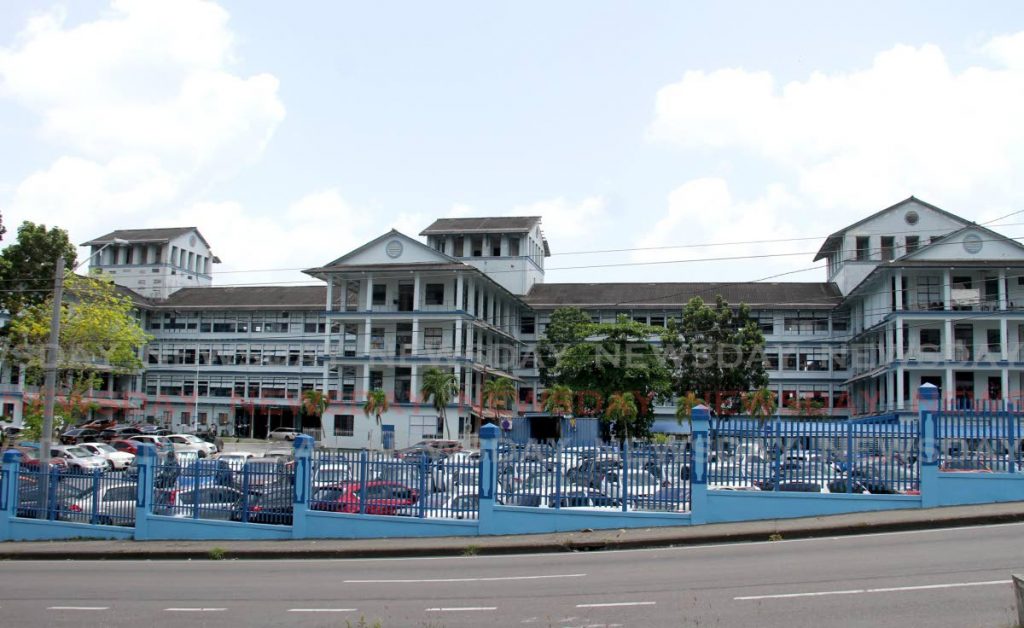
(78, 608)
(610, 604)
(322, 610)
(492, 579)
(453, 609)
(922, 587)
(194, 610)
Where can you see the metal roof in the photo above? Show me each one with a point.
(497, 224)
(660, 295)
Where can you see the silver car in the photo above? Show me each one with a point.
(80, 460)
(114, 505)
(214, 502)
(118, 459)
(191, 442)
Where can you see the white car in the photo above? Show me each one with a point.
(236, 459)
(638, 484)
(118, 459)
(80, 460)
(190, 440)
(283, 433)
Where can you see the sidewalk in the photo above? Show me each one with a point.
(856, 523)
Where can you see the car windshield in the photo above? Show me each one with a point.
(107, 449)
(78, 452)
(332, 474)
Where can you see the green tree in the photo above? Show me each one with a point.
(601, 360)
(760, 404)
(622, 413)
(558, 400)
(717, 353)
(685, 406)
(441, 388)
(314, 403)
(99, 333)
(567, 327)
(498, 393)
(376, 404)
(27, 266)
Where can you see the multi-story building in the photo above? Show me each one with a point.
(913, 294)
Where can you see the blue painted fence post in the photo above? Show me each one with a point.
(700, 416)
(9, 492)
(488, 488)
(929, 442)
(303, 447)
(145, 459)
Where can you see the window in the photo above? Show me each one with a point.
(789, 361)
(496, 246)
(806, 323)
(432, 338)
(376, 380)
(527, 325)
(513, 247)
(344, 424)
(658, 321)
(840, 359)
(526, 359)
(840, 322)
(771, 361)
(377, 338)
(477, 246)
(931, 340)
(929, 293)
(913, 243)
(525, 395)
(766, 322)
(351, 295)
(994, 345)
(888, 247)
(435, 294)
(814, 360)
(863, 251)
(380, 294)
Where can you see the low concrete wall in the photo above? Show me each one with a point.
(40, 530)
(725, 506)
(525, 520)
(159, 527)
(956, 489)
(330, 525)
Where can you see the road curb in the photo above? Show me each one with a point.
(498, 546)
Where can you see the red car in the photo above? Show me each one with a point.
(382, 498)
(30, 458)
(129, 446)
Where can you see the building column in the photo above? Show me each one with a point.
(947, 290)
(366, 382)
(899, 339)
(1004, 382)
(947, 338)
(1004, 340)
(416, 291)
(504, 246)
(366, 336)
(416, 335)
(900, 390)
(1002, 289)
(330, 293)
(369, 293)
(471, 297)
(457, 346)
(898, 305)
(459, 292)
(948, 384)
(414, 383)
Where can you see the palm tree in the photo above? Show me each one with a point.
(559, 401)
(685, 406)
(497, 393)
(621, 410)
(760, 404)
(376, 404)
(442, 387)
(314, 403)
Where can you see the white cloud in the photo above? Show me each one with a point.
(141, 104)
(842, 145)
(862, 140)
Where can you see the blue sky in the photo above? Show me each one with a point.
(290, 133)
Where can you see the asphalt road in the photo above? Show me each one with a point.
(934, 578)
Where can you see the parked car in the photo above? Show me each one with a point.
(183, 442)
(163, 446)
(30, 458)
(204, 473)
(236, 459)
(576, 497)
(638, 483)
(281, 454)
(273, 505)
(154, 430)
(331, 474)
(205, 502)
(79, 459)
(127, 446)
(76, 435)
(964, 465)
(262, 472)
(669, 499)
(283, 433)
(12, 431)
(444, 506)
(119, 432)
(98, 424)
(115, 505)
(118, 459)
(382, 497)
(31, 495)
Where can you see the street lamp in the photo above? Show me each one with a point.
(50, 369)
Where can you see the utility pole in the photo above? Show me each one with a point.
(50, 385)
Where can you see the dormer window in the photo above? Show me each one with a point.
(913, 243)
(863, 250)
(513, 247)
(495, 246)
(888, 246)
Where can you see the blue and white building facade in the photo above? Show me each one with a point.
(913, 294)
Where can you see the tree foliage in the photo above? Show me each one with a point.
(314, 402)
(441, 387)
(558, 400)
(376, 404)
(621, 413)
(28, 265)
(498, 393)
(567, 327)
(601, 360)
(760, 404)
(717, 353)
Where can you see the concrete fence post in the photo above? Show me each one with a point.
(929, 443)
(700, 417)
(145, 459)
(303, 447)
(9, 492)
(488, 488)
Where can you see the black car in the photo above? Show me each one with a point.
(273, 506)
(76, 435)
(119, 432)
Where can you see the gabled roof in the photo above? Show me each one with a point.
(497, 224)
(246, 297)
(988, 233)
(150, 236)
(833, 240)
(394, 233)
(660, 295)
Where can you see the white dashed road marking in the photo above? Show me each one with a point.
(455, 609)
(923, 587)
(610, 604)
(492, 579)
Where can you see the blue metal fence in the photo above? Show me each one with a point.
(97, 497)
(985, 438)
(427, 485)
(257, 490)
(814, 456)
